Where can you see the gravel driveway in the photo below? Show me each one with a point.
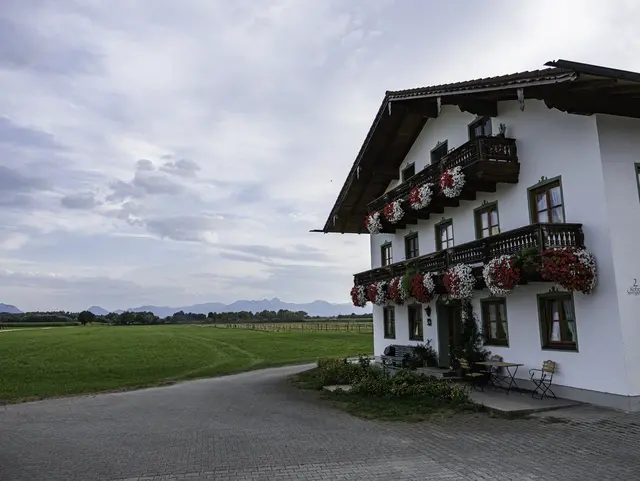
(254, 426)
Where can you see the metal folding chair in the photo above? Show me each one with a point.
(543, 380)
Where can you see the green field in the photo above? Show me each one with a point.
(64, 361)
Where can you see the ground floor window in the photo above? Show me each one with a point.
(494, 322)
(558, 321)
(389, 323)
(415, 323)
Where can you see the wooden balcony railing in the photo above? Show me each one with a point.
(539, 236)
(496, 150)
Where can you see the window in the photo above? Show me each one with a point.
(415, 323)
(386, 254)
(480, 128)
(487, 221)
(557, 321)
(408, 172)
(439, 152)
(546, 203)
(389, 323)
(444, 235)
(411, 246)
(494, 322)
(638, 176)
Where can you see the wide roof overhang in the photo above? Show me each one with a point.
(571, 87)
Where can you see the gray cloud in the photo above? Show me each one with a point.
(13, 181)
(263, 252)
(84, 200)
(16, 135)
(22, 47)
(146, 181)
(182, 228)
(182, 167)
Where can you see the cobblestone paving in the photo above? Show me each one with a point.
(254, 426)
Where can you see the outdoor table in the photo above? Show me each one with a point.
(499, 381)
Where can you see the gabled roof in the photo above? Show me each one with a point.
(568, 86)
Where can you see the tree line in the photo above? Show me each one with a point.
(149, 318)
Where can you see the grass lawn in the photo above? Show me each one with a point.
(64, 361)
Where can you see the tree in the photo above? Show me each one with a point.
(86, 317)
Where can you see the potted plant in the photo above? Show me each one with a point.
(502, 132)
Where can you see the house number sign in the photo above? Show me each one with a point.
(634, 290)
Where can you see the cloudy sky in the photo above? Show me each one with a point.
(174, 152)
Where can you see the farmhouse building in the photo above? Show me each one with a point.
(518, 194)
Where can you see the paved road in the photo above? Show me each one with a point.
(254, 426)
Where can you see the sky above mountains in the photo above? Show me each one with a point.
(162, 152)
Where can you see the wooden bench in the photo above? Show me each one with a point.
(400, 356)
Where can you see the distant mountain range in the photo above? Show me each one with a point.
(9, 309)
(315, 308)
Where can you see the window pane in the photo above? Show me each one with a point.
(541, 201)
(503, 311)
(555, 196)
(557, 215)
(493, 312)
(450, 231)
(494, 217)
(543, 216)
(484, 219)
(493, 330)
(555, 331)
(495, 230)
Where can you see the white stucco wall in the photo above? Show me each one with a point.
(550, 143)
(619, 140)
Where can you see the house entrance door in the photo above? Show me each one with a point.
(449, 331)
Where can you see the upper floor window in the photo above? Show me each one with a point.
(480, 128)
(408, 172)
(439, 152)
(487, 220)
(411, 246)
(386, 254)
(547, 203)
(444, 235)
(557, 321)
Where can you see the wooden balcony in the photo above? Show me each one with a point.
(479, 252)
(485, 162)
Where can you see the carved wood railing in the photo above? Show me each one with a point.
(493, 149)
(539, 236)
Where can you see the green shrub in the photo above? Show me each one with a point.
(339, 371)
(404, 383)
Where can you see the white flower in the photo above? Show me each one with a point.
(429, 283)
(396, 283)
(589, 261)
(460, 282)
(457, 179)
(373, 223)
(393, 212)
(381, 293)
(361, 296)
(421, 196)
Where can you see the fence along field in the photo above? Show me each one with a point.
(361, 327)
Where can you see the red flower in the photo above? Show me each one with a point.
(419, 291)
(446, 180)
(565, 268)
(372, 292)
